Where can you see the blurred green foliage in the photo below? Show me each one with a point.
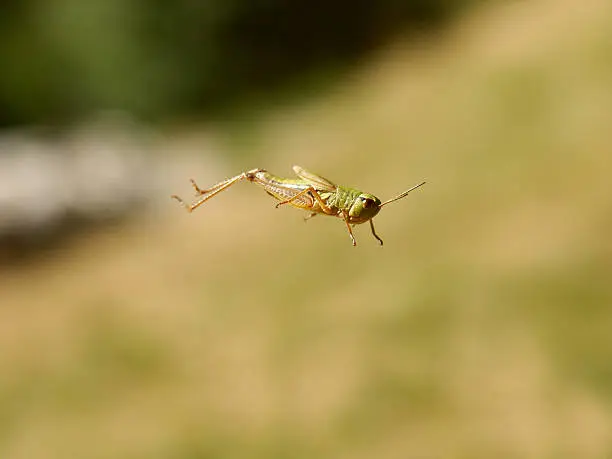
(65, 58)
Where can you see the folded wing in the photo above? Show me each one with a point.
(319, 183)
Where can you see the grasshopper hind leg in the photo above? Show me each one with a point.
(198, 190)
(204, 195)
(181, 202)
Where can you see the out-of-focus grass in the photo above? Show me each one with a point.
(480, 330)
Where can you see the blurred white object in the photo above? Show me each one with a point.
(96, 171)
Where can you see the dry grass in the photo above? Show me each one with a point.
(480, 330)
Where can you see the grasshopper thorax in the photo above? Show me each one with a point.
(364, 208)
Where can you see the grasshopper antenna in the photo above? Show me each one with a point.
(403, 195)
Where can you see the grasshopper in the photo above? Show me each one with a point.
(309, 191)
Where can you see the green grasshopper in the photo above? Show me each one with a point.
(311, 192)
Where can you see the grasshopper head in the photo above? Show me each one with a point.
(364, 208)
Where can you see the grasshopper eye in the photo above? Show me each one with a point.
(367, 203)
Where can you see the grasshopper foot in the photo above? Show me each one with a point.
(181, 202)
(198, 190)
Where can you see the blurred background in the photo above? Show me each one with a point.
(131, 329)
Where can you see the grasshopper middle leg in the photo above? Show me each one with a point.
(345, 217)
(312, 192)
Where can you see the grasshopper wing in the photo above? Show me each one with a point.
(318, 182)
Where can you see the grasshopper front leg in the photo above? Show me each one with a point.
(374, 232)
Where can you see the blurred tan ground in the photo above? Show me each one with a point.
(480, 330)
